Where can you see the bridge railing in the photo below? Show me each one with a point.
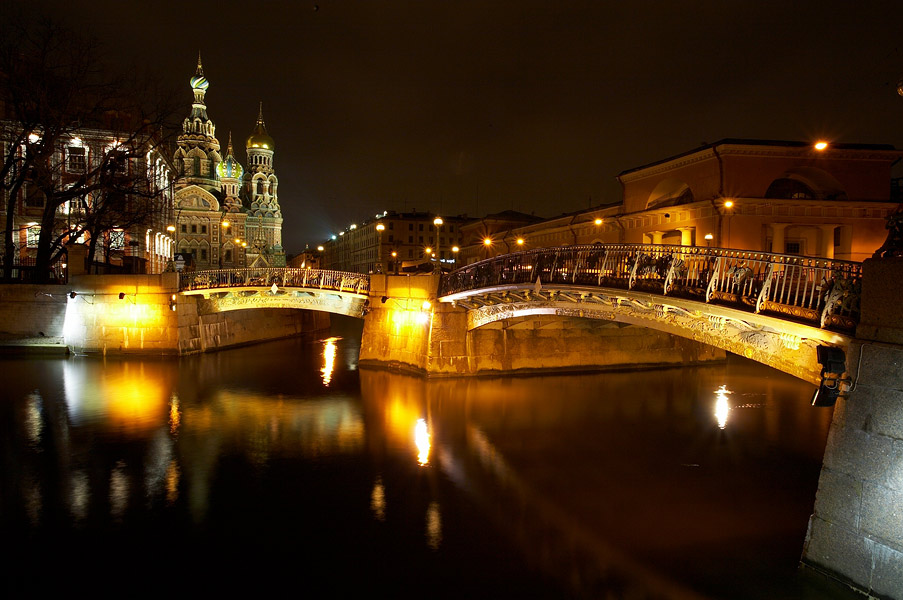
(811, 290)
(339, 281)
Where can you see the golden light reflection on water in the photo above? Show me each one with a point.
(173, 474)
(378, 499)
(422, 440)
(127, 397)
(329, 352)
(721, 406)
(175, 416)
(433, 526)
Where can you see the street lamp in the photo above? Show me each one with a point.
(395, 261)
(379, 247)
(438, 223)
(520, 241)
(455, 251)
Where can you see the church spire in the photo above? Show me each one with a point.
(200, 70)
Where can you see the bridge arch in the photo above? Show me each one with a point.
(773, 309)
(224, 290)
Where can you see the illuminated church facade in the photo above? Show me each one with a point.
(227, 216)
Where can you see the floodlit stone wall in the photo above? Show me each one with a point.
(32, 311)
(856, 529)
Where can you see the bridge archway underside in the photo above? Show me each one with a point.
(786, 346)
(253, 297)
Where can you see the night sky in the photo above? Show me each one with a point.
(478, 107)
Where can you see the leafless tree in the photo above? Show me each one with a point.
(53, 87)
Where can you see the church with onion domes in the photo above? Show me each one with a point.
(227, 216)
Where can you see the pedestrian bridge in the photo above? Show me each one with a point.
(772, 308)
(224, 290)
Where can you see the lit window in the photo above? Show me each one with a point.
(32, 235)
(76, 159)
(117, 239)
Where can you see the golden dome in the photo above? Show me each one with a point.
(259, 138)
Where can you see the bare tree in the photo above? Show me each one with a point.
(53, 86)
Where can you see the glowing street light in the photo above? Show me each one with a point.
(821, 145)
(379, 247)
(598, 221)
(728, 203)
(455, 251)
(520, 241)
(438, 223)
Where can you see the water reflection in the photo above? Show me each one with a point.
(577, 480)
(329, 352)
(721, 406)
(422, 440)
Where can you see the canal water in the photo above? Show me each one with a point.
(282, 470)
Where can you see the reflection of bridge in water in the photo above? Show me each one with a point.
(775, 309)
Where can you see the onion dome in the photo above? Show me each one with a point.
(229, 168)
(199, 82)
(259, 138)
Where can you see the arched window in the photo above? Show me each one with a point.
(260, 186)
(789, 188)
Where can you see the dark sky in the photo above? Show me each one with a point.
(477, 107)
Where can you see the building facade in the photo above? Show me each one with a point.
(226, 216)
(394, 241)
(126, 224)
(771, 196)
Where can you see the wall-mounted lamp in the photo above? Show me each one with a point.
(833, 363)
(172, 302)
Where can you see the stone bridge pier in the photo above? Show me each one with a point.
(407, 329)
(856, 530)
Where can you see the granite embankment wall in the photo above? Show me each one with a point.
(137, 315)
(32, 312)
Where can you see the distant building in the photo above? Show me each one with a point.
(227, 216)
(770, 196)
(406, 239)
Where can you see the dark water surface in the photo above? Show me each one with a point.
(282, 470)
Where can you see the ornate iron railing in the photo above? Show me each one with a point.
(339, 281)
(811, 290)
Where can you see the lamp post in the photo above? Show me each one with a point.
(438, 223)
(225, 224)
(379, 247)
(455, 251)
(395, 261)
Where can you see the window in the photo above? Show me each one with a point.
(392, 238)
(260, 186)
(420, 239)
(32, 235)
(184, 228)
(203, 254)
(203, 229)
(194, 229)
(792, 248)
(420, 227)
(410, 239)
(392, 225)
(33, 196)
(76, 159)
(410, 253)
(117, 239)
(228, 256)
(410, 227)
